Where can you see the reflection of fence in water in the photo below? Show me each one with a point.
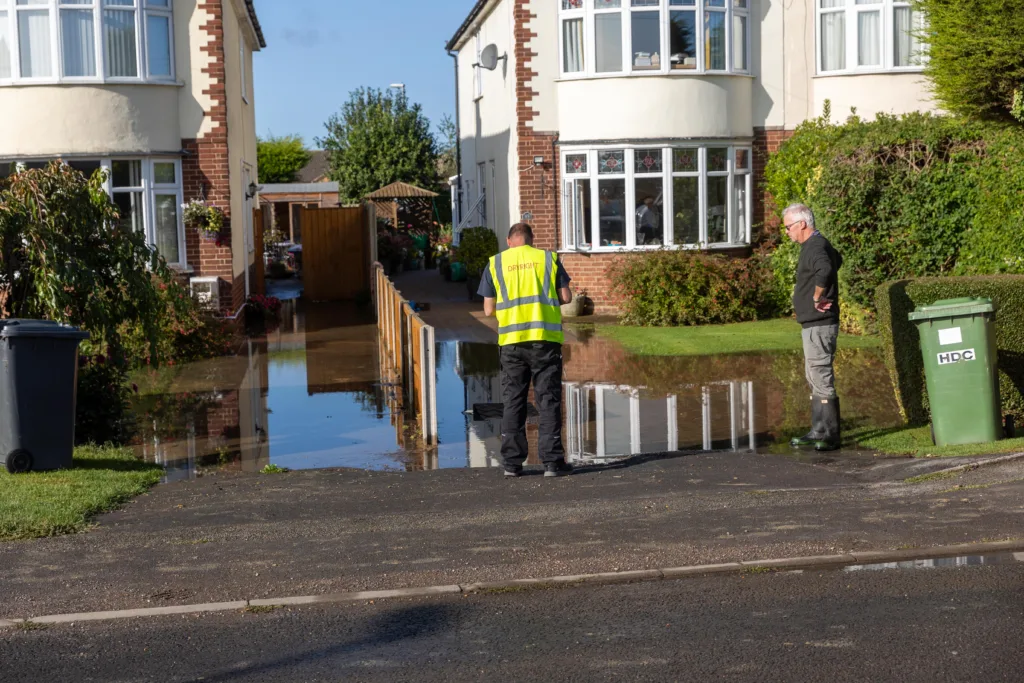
(608, 421)
(407, 362)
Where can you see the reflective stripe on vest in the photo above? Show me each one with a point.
(527, 306)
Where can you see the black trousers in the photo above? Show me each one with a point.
(541, 362)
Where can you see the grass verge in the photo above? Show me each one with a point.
(752, 337)
(42, 504)
(917, 441)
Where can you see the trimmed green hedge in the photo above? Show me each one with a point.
(901, 344)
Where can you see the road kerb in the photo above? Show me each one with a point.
(824, 561)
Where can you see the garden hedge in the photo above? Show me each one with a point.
(901, 343)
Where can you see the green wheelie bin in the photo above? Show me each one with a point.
(958, 340)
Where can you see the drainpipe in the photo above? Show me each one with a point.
(458, 134)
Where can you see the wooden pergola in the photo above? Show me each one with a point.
(388, 200)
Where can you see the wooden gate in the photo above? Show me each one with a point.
(259, 283)
(335, 253)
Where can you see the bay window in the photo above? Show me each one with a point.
(867, 35)
(602, 37)
(147, 192)
(619, 198)
(86, 40)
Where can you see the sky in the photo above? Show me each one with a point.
(318, 51)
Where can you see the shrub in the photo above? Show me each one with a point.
(476, 247)
(683, 287)
(905, 197)
(102, 409)
(901, 343)
(974, 50)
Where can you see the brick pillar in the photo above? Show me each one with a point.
(538, 185)
(766, 142)
(206, 165)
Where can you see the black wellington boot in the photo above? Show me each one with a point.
(816, 433)
(833, 439)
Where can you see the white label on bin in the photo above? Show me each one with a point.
(950, 336)
(950, 357)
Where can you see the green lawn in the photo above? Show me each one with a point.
(51, 503)
(764, 335)
(917, 441)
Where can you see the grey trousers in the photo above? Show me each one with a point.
(819, 352)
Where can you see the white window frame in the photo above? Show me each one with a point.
(141, 8)
(585, 9)
(573, 229)
(149, 176)
(887, 40)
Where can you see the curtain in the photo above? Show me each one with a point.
(5, 47)
(869, 39)
(739, 42)
(119, 40)
(829, 4)
(714, 37)
(904, 41)
(166, 225)
(572, 44)
(739, 215)
(833, 41)
(34, 43)
(158, 37)
(608, 43)
(78, 42)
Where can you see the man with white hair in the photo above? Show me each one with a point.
(816, 302)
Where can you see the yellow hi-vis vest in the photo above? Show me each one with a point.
(527, 304)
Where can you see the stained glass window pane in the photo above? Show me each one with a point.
(718, 159)
(648, 161)
(575, 163)
(611, 161)
(572, 4)
(684, 160)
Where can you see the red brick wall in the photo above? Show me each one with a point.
(538, 185)
(766, 141)
(206, 169)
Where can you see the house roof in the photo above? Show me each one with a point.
(401, 191)
(255, 22)
(473, 14)
(316, 169)
(299, 188)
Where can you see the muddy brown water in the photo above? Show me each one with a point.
(309, 395)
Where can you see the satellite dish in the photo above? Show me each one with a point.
(489, 57)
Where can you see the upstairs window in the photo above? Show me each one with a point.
(46, 41)
(868, 36)
(615, 37)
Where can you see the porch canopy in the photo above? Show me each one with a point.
(414, 201)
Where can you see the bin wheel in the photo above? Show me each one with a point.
(19, 461)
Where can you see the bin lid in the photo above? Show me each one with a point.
(948, 308)
(18, 327)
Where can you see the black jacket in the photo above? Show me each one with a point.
(818, 267)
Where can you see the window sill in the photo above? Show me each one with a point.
(644, 250)
(871, 72)
(181, 269)
(87, 81)
(654, 74)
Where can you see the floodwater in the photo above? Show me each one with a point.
(941, 562)
(309, 395)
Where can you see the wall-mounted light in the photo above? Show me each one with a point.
(253, 190)
(538, 161)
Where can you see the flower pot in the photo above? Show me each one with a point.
(574, 308)
(458, 272)
(472, 285)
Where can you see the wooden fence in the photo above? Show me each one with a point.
(335, 252)
(408, 357)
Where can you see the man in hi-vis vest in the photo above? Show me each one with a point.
(525, 287)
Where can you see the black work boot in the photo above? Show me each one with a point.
(830, 422)
(557, 468)
(817, 432)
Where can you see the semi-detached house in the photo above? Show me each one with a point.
(614, 126)
(157, 92)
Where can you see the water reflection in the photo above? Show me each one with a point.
(310, 395)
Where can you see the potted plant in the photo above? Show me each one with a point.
(442, 252)
(412, 258)
(209, 220)
(476, 247)
(574, 308)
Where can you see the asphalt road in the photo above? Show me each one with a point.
(947, 624)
